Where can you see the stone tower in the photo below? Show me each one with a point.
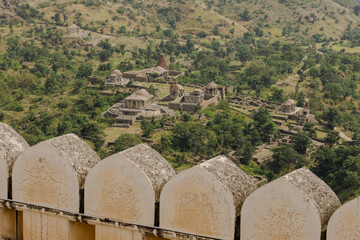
(162, 62)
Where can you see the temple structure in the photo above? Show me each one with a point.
(137, 105)
(196, 99)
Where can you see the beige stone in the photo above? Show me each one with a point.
(42, 176)
(296, 206)
(204, 199)
(345, 222)
(156, 168)
(4, 175)
(81, 231)
(79, 154)
(7, 226)
(39, 226)
(117, 188)
(11, 144)
(104, 232)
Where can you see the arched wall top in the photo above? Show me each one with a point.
(41, 175)
(316, 191)
(195, 201)
(156, 168)
(11, 145)
(117, 188)
(232, 177)
(288, 208)
(345, 222)
(79, 154)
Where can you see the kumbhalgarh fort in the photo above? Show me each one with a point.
(61, 189)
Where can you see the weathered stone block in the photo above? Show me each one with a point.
(345, 222)
(116, 233)
(7, 224)
(296, 206)
(42, 176)
(116, 188)
(39, 226)
(205, 199)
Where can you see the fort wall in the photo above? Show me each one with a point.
(60, 189)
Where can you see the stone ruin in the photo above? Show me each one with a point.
(137, 105)
(296, 206)
(162, 62)
(116, 79)
(128, 194)
(160, 73)
(73, 30)
(191, 101)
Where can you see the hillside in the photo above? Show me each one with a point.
(296, 18)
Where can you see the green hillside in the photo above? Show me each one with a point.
(288, 18)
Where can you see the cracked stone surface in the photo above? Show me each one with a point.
(156, 168)
(296, 206)
(116, 188)
(234, 179)
(11, 145)
(316, 191)
(80, 155)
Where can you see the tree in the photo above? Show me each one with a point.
(357, 10)
(84, 70)
(244, 53)
(148, 127)
(285, 159)
(309, 129)
(263, 123)
(332, 116)
(301, 142)
(125, 141)
(332, 138)
(57, 18)
(277, 95)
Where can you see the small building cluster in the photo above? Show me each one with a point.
(195, 100)
(160, 73)
(137, 105)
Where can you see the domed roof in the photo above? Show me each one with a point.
(176, 87)
(142, 92)
(290, 102)
(212, 85)
(117, 72)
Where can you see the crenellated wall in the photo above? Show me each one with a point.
(60, 189)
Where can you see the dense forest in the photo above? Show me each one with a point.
(44, 92)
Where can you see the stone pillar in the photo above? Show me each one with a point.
(345, 222)
(296, 206)
(205, 199)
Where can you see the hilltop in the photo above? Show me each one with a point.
(284, 18)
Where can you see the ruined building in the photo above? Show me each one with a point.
(137, 105)
(60, 189)
(160, 73)
(197, 99)
(116, 79)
